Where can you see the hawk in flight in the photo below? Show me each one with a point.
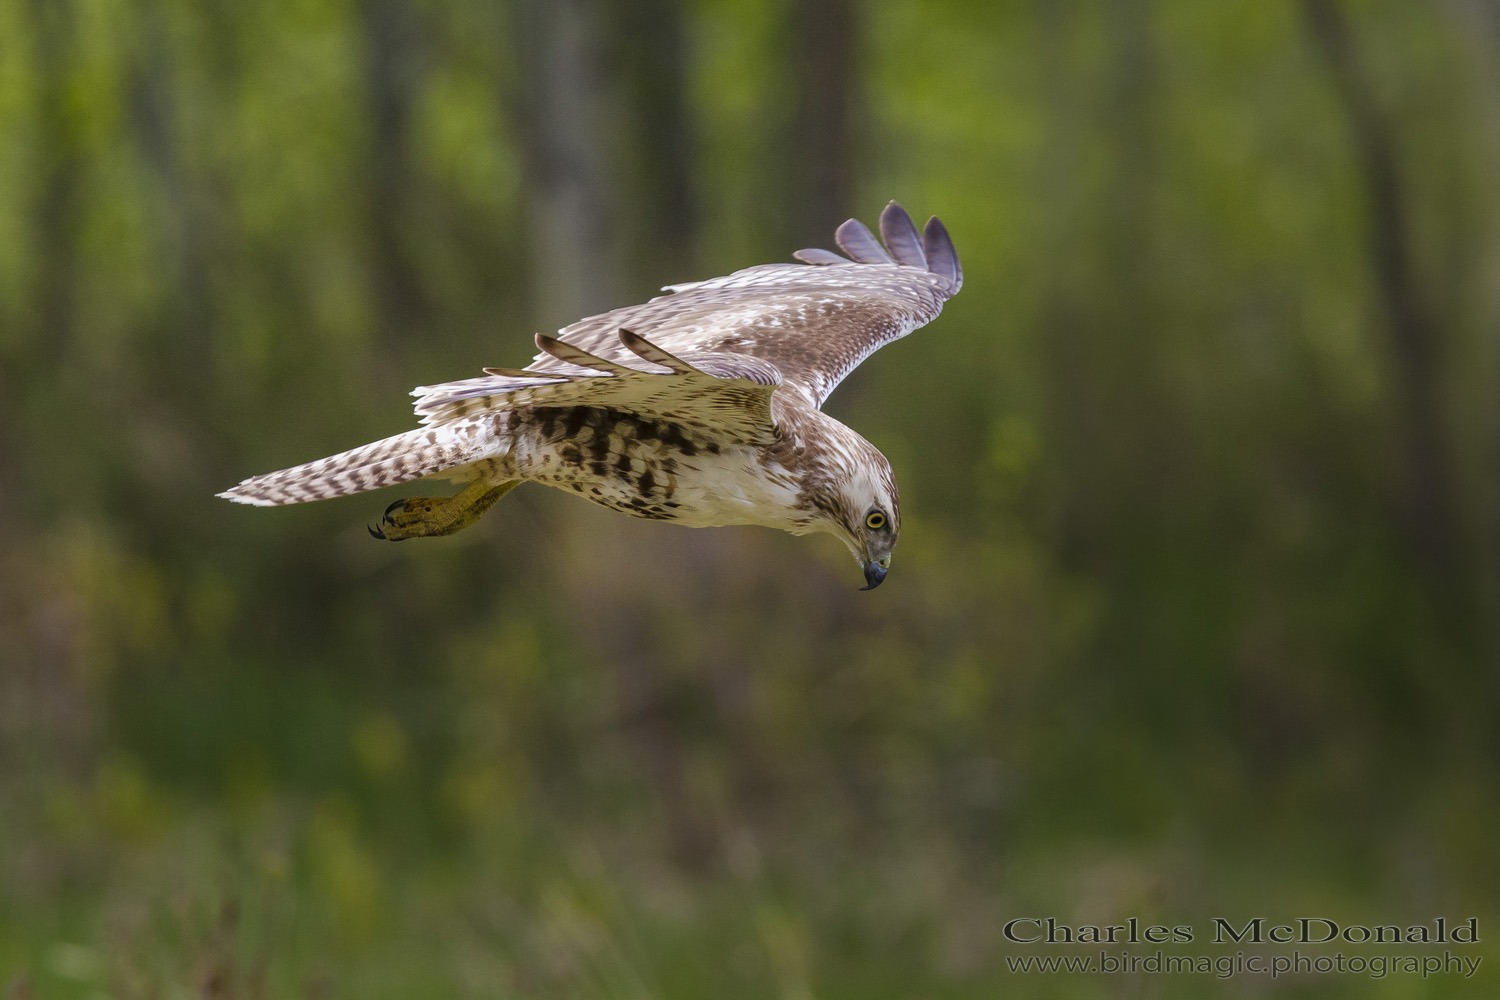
(700, 406)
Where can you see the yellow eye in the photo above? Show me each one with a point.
(875, 520)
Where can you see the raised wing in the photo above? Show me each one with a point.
(727, 395)
(814, 321)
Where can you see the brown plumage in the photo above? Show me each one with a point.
(700, 406)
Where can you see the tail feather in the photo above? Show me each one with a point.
(392, 460)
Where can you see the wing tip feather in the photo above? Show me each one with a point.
(899, 234)
(900, 243)
(942, 258)
(856, 240)
(819, 257)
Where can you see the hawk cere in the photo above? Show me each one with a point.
(700, 406)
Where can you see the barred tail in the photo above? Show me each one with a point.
(397, 459)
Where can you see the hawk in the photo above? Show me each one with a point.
(699, 407)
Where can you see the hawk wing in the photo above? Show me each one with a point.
(725, 395)
(814, 321)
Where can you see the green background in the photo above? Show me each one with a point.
(1195, 609)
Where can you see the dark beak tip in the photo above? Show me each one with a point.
(874, 576)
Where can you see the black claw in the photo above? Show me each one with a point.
(375, 532)
(392, 507)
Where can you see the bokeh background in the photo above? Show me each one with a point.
(1195, 611)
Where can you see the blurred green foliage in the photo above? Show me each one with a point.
(1195, 612)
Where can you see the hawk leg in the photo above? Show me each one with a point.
(428, 517)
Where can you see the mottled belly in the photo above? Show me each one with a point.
(648, 468)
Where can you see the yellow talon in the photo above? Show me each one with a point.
(430, 517)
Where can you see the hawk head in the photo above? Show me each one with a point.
(851, 492)
(872, 519)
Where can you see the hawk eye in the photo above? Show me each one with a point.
(875, 520)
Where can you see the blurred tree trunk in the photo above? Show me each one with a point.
(391, 76)
(1140, 454)
(577, 79)
(1477, 22)
(1431, 515)
(1099, 353)
(562, 126)
(818, 164)
(47, 312)
(47, 715)
(1128, 111)
(662, 215)
(1061, 341)
(185, 245)
(61, 160)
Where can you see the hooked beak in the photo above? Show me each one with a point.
(874, 574)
